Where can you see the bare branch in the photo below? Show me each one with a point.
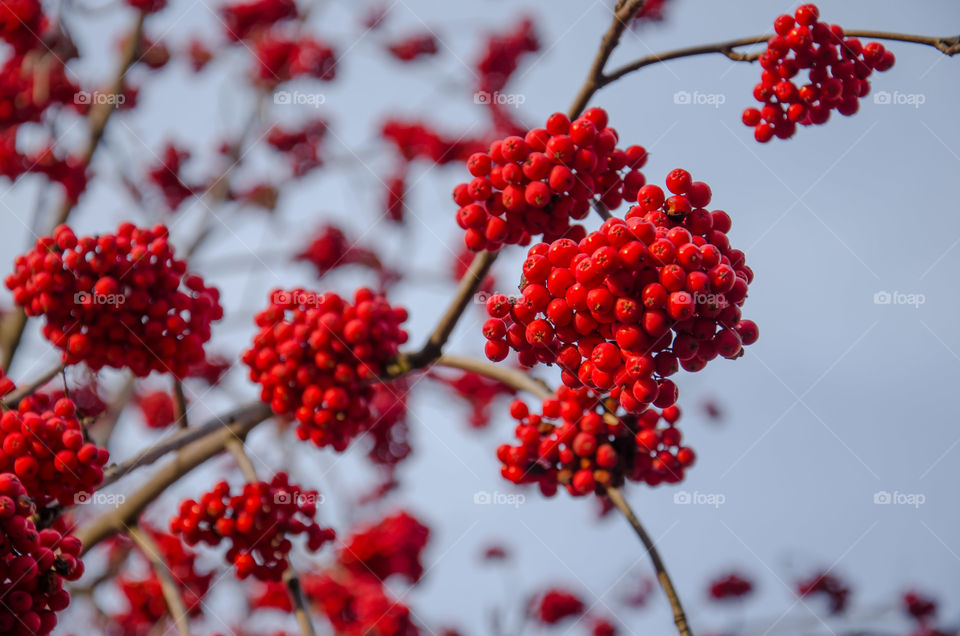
(171, 592)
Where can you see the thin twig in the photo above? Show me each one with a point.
(179, 404)
(623, 13)
(679, 617)
(171, 592)
(946, 45)
(514, 378)
(14, 398)
(290, 577)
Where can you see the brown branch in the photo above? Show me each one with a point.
(679, 617)
(514, 378)
(186, 460)
(179, 404)
(15, 324)
(181, 439)
(171, 593)
(623, 13)
(14, 398)
(946, 45)
(405, 362)
(290, 577)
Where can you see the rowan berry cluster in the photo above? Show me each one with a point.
(480, 392)
(919, 606)
(157, 409)
(838, 69)
(414, 47)
(835, 590)
(118, 300)
(389, 437)
(392, 546)
(33, 565)
(43, 444)
(415, 140)
(242, 19)
(554, 605)
(357, 604)
(7, 385)
(731, 586)
(329, 248)
(257, 522)
(21, 23)
(280, 58)
(502, 53)
(166, 176)
(146, 604)
(631, 303)
(301, 145)
(316, 356)
(533, 185)
(578, 443)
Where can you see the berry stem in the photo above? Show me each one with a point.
(13, 325)
(679, 617)
(290, 578)
(14, 398)
(624, 11)
(511, 377)
(949, 46)
(179, 405)
(192, 455)
(406, 362)
(171, 594)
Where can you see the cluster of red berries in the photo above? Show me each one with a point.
(357, 604)
(396, 196)
(919, 606)
(280, 58)
(257, 522)
(532, 185)
(166, 176)
(731, 586)
(242, 19)
(502, 53)
(556, 604)
(7, 385)
(329, 249)
(21, 24)
(148, 6)
(389, 437)
(415, 140)
(301, 145)
(43, 443)
(631, 303)
(316, 356)
(579, 443)
(33, 565)
(145, 600)
(119, 300)
(157, 409)
(651, 11)
(392, 546)
(835, 590)
(28, 87)
(414, 47)
(837, 78)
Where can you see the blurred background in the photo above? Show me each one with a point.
(847, 401)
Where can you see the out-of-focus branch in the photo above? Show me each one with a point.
(514, 378)
(11, 400)
(679, 617)
(171, 592)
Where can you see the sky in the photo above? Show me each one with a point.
(845, 400)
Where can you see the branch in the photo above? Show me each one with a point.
(189, 458)
(624, 12)
(182, 438)
(679, 617)
(14, 398)
(179, 404)
(514, 378)
(15, 324)
(171, 593)
(404, 363)
(947, 45)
